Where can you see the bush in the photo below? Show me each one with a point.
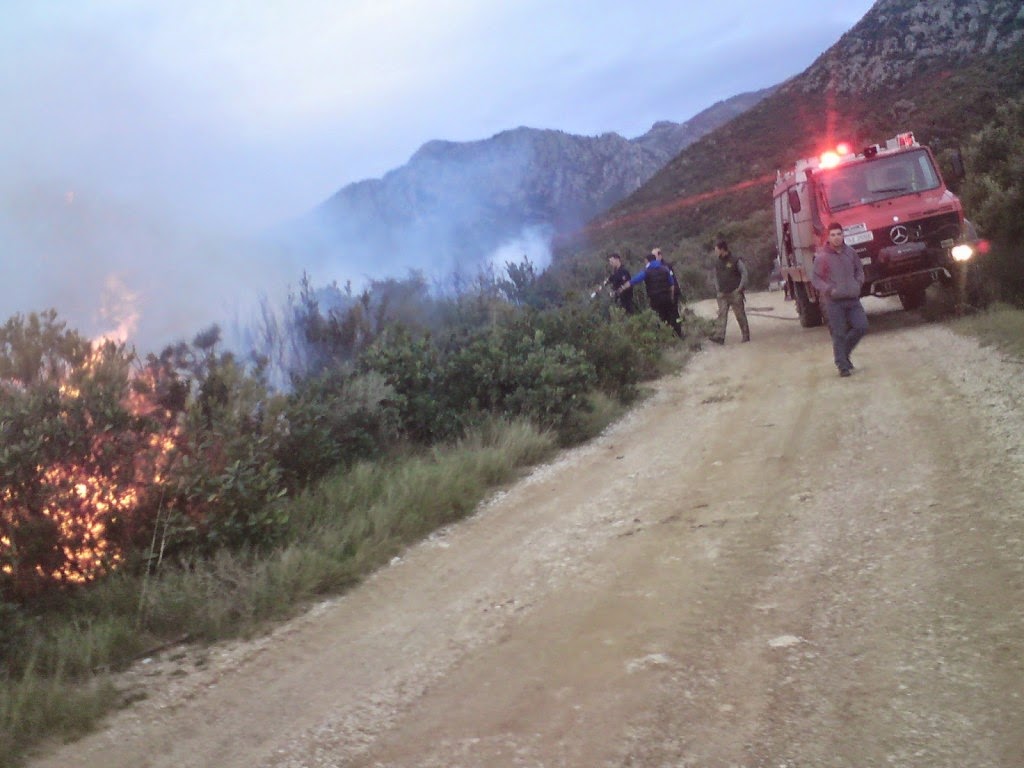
(411, 366)
(334, 420)
(993, 195)
(514, 371)
(222, 478)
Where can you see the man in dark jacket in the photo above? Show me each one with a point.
(838, 277)
(619, 279)
(661, 287)
(730, 282)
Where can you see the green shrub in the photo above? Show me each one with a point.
(412, 367)
(514, 371)
(993, 194)
(333, 420)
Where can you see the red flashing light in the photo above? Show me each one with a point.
(905, 139)
(843, 149)
(829, 159)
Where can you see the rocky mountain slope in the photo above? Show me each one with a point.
(454, 202)
(938, 68)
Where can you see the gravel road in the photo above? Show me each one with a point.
(763, 565)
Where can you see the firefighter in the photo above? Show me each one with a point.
(619, 278)
(730, 283)
(662, 290)
(838, 277)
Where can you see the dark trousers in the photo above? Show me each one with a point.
(668, 311)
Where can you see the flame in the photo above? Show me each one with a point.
(119, 307)
(81, 504)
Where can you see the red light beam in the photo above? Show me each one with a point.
(678, 204)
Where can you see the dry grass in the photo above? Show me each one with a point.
(1001, 326)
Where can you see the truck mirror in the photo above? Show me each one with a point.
(794, 201)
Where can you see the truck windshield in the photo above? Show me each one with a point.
(879, 179)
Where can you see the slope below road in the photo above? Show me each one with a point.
(764, 565)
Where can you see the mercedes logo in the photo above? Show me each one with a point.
(899, 234)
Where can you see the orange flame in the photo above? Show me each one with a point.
(119, 307)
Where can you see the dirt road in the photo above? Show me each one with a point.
(765, 565)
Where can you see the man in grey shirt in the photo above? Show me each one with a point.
(838, 277)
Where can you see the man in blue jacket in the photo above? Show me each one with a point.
(838, 277)
(660, 282)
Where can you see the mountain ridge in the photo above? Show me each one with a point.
(458, 202)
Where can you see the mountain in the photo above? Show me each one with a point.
(939, 68)
(456, 203)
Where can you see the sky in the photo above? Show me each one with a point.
(146, 144)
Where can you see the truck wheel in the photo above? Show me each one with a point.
(912, 299)
(810, 313)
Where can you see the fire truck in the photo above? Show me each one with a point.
(907, 228)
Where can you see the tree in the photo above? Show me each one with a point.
(993, 194)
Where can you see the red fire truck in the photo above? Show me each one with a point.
(896, 212)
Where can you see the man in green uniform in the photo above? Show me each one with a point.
(730, 282)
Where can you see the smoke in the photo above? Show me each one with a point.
(533, 243)
(116, 269)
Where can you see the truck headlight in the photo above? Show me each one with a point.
(962, 252)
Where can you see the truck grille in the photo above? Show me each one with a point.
(931, 231)
(908, 253)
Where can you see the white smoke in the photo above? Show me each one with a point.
(533, 243)
(123, 270)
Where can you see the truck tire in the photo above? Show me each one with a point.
(809, 311)
(912, 299)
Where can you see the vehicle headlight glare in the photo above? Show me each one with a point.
(962, 252)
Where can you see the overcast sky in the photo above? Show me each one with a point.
(141, 138)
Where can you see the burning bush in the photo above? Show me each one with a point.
(76, 463)
(102, 458)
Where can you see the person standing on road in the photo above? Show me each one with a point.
(730, 283)
(660, 283)
(619, 279)
(838, 277)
